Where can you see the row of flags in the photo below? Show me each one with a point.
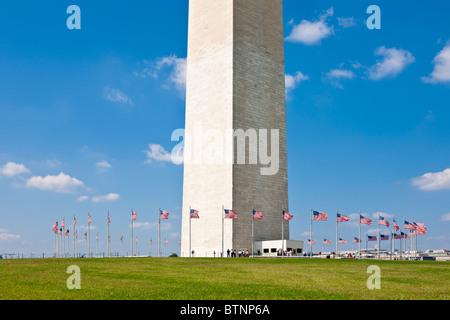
(231, 214)
(59, 230)
(414, 227)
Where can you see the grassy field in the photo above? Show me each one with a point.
(222, 279)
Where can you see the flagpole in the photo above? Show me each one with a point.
(282, 231)
(74, 253)
(132, 232)
(404, 238)
(97, 244)
(223, 230)
(68, 245)
(89, 239)
(378, 227)
(415, 247)
(108, 234)
(337, 242)
(159, 232)
(392, 240)
(56, 241)
(410, 242)
(360, 240)
(190, 233)
(323, 240)
(62, 237)
(367, 238)
(253, 218)
(310, 235)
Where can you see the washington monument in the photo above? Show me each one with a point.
(235, 145)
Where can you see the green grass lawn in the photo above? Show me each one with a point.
(222, 279)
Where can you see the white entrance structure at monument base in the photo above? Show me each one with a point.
(274, 248)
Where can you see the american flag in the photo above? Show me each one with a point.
(74, 221)
(383, 221)
(397, 236)
(137, 239)
(60, 231)
(63, 224)
(409, 225)
(257, 215)
(356, 240)
(326, 241)
(75, 234)
(67, 232)
(121, 238)
(230, 214)
(109, 218)
(342, 218)
(384, 237)
(194, 214)
(365, 220)
(421, 229)
(396, 227)
(133, 215)
(85, 235)
(371, 238)
(90, 219)
(342, 241)
(287, 216)
(55, 227)
(320, 216)
(166, 242)
(164, 215)
(151, 241)
(96, 237)
(311, 241)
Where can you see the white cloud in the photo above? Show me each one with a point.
(61, 183)
(394, 61)
(293, 80)
(103, 166)
(336, 75)
(445, 217)
(346, 22)
(441, 72)
(11, 169)
(108, 197)
(151, 225)
(8, 236)
(82, 198)
(172, 67)
(382, 214)
(115, 95)
(157, 152)
(433, 181)
(312, 32)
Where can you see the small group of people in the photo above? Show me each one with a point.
(285, 253)
(233, 253)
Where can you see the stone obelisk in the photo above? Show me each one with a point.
(235, 90)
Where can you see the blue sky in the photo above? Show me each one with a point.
(86, 118)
